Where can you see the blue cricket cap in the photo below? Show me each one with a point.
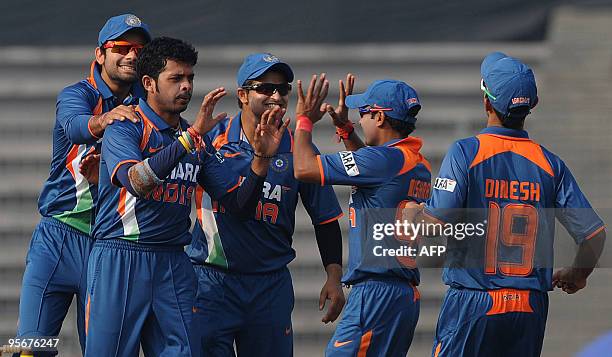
(510, 82)
(256, 64)
(118, 25)
(396, 96)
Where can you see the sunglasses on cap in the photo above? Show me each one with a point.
(368, 109)
(123, 47)
(270, 88)
(484, 89)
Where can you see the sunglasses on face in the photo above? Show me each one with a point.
(369, 109)
(123, 47)
(270, 88)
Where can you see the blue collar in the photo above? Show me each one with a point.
(498, 130)
(155, 119)
(235, 128)
(135, 92)
(100, 84)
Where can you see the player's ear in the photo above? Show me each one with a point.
(149, 84)
(100, 55)
(380, 119)
(243, 96)
(487, 104)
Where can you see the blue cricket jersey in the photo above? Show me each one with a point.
(161, 217)
(66, 195)
(263, 243)
(518, 188)
(382, 178)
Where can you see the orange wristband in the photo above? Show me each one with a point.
(345, 131)
(304, 123)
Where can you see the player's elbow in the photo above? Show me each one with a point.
(306, 174)
(298, 171)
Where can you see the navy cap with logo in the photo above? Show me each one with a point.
(256, 64)
(118, 25)
(395, 98)
(508, 83)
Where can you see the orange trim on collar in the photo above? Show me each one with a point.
(410, 147)
(91, 78)
(491, 145)
(222, 139)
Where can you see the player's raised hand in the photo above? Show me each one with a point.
(311, 104)
(339, 114)
(569, 280)
(204, 121)
(119, 113)
(269, 132)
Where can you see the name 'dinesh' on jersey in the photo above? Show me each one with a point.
(348, 161)
(445, 184)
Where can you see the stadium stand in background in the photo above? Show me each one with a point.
(573, 65)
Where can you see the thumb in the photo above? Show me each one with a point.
(285, 125)
(332, 113)
(322, 299)
(219, 117)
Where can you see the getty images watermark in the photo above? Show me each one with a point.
(407, 232)
(493, 238)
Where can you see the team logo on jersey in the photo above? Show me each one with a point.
(271, 59)
(445, 184)
(348, 161)
(132, 20)
(280, 163)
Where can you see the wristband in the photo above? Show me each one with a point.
(304, 123)
(345, 131)
(189, 141)
(184, 143)
(263, 156)
(197, 138)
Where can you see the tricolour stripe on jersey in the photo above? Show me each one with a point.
(216, 254)
(127, 212)
(80, 216)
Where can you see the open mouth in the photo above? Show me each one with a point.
(127, 68)
(273, 105)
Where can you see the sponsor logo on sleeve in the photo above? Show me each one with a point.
(219, 157)
(348, 161)
(445, 184)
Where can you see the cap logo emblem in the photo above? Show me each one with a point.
(412, 100)
(132, 20)
(520, 100)
(271, 58)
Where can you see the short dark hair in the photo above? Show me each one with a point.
(404, 128)
(154, 56)
(246, 83)
(515, 119)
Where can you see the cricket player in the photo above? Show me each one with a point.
(141, 285)
(56, 263)
(245, 295)
(383, 305)
(497, 302)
